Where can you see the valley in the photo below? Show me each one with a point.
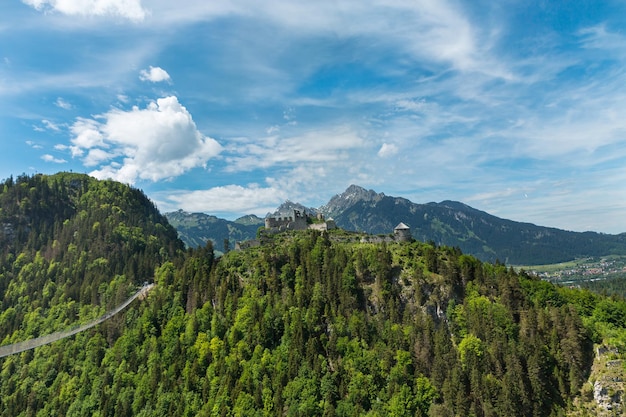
(581, 270)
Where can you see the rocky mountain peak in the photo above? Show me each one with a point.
(288, 207)
(348, 198)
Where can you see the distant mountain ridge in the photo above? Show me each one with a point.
(195, 229)
(477, 233)
(288, 207)
(449, 223)
(348, 198)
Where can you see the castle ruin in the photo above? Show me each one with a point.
(402, 233)
(301, 221)
(297, 221)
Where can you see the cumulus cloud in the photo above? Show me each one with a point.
(87, 135)
(50, 158)
(128, 9)
(387, 150)
(154, 74)
(158, 142)
(96, 156)
(229, 199)
(300, 183)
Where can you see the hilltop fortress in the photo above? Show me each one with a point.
(301, 221)
(298, 221)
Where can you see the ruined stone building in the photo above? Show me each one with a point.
(402, 233)
(296, 221)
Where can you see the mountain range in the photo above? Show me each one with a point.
(448, 223)
(195, 229)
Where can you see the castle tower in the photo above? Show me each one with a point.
(402, 233)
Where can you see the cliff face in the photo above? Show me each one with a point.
(603, 394)
(609, 385)
(609, 400)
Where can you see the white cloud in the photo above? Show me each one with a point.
(154, 74)
(108, 67)
(438, 30)
(229, 199)
(320, 146)
(50, 125)
(301, 183)
(87, 134)
(47, 125)
(128, 9)
(387, 150)
(598, 37)
(50, 158)
(158, 142)
(33, 144)
(570, 204)
(484, 197)
(96, 156)
(410, 105)
(273, 129)
(63, 104)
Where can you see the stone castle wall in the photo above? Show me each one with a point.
(297, 221)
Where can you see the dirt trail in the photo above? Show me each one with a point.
(53, 337)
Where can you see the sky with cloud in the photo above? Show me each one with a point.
(516, 107)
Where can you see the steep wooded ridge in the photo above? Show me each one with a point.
(307, 324)
(449, 223)
(72, 247)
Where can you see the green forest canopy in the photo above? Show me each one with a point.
(307, 324)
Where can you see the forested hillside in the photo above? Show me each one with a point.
(72, 246)
(307, 324)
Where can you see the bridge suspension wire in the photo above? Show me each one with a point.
(53, 337)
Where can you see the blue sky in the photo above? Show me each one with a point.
(517, 108)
